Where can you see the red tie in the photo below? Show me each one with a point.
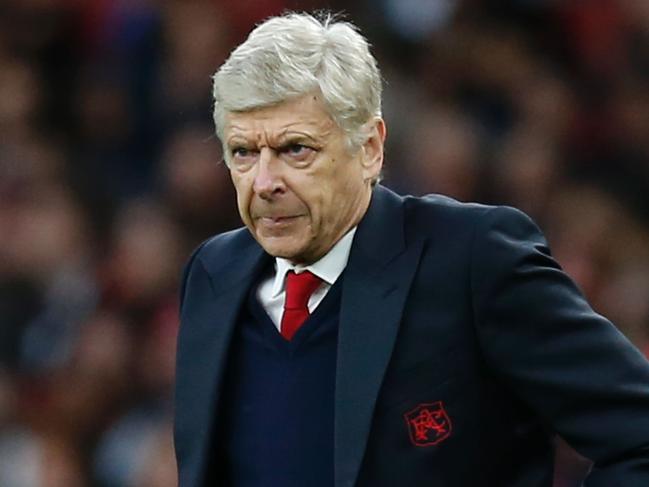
(299, 288)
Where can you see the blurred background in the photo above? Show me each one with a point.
(110, 175)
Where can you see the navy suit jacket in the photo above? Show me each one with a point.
(462, 349)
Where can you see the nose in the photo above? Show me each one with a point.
(268, 181)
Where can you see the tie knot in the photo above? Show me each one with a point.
(299, 288)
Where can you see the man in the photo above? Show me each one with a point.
(349, 336)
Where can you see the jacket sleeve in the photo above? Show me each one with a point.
(185, 274)
(569, 364)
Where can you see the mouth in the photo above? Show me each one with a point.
(277, 221)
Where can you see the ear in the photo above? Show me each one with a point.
(372, 156)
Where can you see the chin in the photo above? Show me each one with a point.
(284, 246)
(278, 250)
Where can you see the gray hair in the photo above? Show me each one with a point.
(295, 54)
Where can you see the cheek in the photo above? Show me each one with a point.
(243, 190)
(326, 211)
(322, 195)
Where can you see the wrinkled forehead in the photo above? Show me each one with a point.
(306, 114)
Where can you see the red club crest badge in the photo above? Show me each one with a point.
(428, 424)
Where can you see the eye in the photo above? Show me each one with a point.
(240, 152)
(297, 153)
(243, 158)
(296, 149)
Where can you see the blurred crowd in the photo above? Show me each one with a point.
(110, 174)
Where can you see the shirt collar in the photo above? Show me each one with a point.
(328, 268)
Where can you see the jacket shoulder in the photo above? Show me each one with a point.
(224, 247)
(444, 204)
(437, 215)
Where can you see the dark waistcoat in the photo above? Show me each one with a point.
(276, 421)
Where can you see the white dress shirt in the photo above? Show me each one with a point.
(272, 293)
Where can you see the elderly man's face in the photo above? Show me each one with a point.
(299, 186)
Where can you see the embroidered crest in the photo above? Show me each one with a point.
(428, 424)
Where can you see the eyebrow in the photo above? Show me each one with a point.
(282, 140)
(297, 137)
(238, 142)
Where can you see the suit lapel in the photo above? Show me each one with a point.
(376, 284)
(210, 325)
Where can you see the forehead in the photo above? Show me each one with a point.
(306, 115)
